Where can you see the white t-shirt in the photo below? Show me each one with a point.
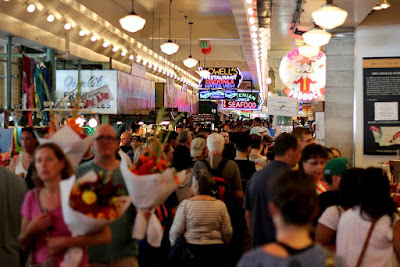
(330, 217)
(351, 235)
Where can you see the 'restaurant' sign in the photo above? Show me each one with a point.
(244, 101)
(217, 94)
(226, 78)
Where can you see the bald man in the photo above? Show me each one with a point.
(123, 250)
(126, 147)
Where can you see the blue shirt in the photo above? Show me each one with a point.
(256, 200)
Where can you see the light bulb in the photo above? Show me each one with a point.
(123, 53)
(252, 20)
(138, 60)
(82, 33)
(115, 48)
(250, 11)
(131, 57)
(50, 18)
(93, 38)
(67, 26)
(106, 44)
(253, 28)
(249, 1)
(31, 8)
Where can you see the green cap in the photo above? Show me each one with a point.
(336, 166)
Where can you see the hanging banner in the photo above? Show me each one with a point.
(217, 95)
(226, 78)
(381, 106)
(135, 94)
(303, 77)
(281, 106)
(92, 80)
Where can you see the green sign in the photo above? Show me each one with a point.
(204, 44)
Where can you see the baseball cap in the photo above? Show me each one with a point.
(197, 146)
(336, 166)
(259, 130)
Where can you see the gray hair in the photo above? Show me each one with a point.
(215, 143)
(140, 150)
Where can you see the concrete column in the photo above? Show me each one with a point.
(339, 96)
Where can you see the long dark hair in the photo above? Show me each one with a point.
(375, 199)
(66, 172)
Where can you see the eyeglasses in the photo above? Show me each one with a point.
(105, 138)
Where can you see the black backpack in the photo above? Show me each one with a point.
(220, 185)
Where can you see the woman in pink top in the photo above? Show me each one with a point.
(43, 228)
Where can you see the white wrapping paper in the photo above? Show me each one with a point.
(148, 192)
(79, 223)
(70, 142)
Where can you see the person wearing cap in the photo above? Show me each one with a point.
(333, 174)
(198, 149)
(259, 131)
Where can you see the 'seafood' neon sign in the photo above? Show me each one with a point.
(243, 105)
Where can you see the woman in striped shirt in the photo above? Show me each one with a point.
(204, 222)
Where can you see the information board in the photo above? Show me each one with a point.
(381, 105)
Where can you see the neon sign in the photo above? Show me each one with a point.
(226, 78)
(217, 94)
(244, 101)
(304, 77)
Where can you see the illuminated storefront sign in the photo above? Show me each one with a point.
(304, 77)
(217, 94)
(244, 101)
(222, 78)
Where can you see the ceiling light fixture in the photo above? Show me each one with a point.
(250, 11)
(377, 6)
(50, 18)
(67, 26)
(308, 50)
(169, 47)
(317, 36)
(131, 57)
(115, 48)
(106, 44)
(82, 33)
(329, 16)
(93, 38)
(123, 53)
(190, 62)
(31, 8)
(132, 22)
(385, 4)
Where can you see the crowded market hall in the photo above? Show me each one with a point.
(217, 133)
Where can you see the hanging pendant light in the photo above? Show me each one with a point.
(308, 50)
(385, 4)
(317, 36)
(203, 72)
(169, 47)
(329, 16)
(190, 62)
(132, 22)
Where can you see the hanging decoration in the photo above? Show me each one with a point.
(303, 77)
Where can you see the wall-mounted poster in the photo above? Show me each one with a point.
(381, 106)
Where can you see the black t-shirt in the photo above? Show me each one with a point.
(182, 159)
(247, 169)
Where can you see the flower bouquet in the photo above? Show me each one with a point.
(5, 158)
(150, 182)
(69, 137)
(88, 205)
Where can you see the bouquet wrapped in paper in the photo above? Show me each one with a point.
(70, 139)
(150, 182)
(88, 205)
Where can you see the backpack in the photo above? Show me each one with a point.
(220, 185)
